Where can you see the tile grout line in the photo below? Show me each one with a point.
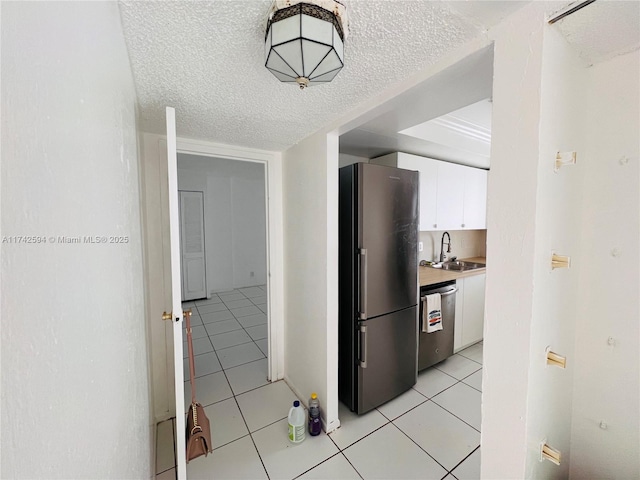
(422, 403)
(475, 361)
(229, 383)
(340, 450)
(416, 443)
(427, 399)
(235, 399)
(442, 371)
(234, 395)
(352, 465)
(448, 388)
(415, 406)
(464, 421)
(432, 400)
(245, 330)
(463, 460)
(343, 454)
(242, 415)
(317, 464)
(362, 438)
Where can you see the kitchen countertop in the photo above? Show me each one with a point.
(430, 276)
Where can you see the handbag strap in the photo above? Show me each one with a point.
(192, 365)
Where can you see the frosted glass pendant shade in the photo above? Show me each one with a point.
(304, 45)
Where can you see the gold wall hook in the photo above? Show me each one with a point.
(560, 261)
(563, 159)
(555, 359)
(549, 453)
(167, 316)
(186, 312)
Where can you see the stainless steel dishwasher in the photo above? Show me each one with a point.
(437, 346)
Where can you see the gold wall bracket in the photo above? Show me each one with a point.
(555, 360)
(549, 453)
(563, 159)
(560, 261)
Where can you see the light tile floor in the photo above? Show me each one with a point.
(431, 431)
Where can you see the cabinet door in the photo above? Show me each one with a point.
(457, 334)
(473, 309)
(475, 199)
(449, 208)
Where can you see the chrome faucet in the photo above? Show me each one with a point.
(442, 246)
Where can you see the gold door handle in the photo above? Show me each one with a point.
(169, 316)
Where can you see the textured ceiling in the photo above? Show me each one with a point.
(465, 83)
(603, 29)
(206, 59)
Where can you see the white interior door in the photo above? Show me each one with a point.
(176, 300)
(194, 283)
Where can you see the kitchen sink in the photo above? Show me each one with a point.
(462, 266)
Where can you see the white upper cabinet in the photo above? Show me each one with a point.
(452, 196)
(450, 202)
(475, 199)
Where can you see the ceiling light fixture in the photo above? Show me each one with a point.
(304, 43)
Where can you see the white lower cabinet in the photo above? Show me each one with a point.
(457, 334)
(469, 323)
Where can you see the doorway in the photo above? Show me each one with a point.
(156, 224)
(226, 211)
(158, 269)
(223, 218)
(425, 124)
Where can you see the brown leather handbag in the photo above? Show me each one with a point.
(198, 429)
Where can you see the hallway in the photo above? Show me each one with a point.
(431, 431)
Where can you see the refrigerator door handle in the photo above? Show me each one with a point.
(363, 283)
(363, 346)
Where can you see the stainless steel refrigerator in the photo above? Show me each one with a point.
(378, 284)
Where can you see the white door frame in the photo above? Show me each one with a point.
(274, 235)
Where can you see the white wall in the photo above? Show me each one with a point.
(219, 241)
(249, 243)
(606, 384)
(557, 223)
(544, 102)
(75, 387)
(511, 210)
(235, 239)
(310, 178)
